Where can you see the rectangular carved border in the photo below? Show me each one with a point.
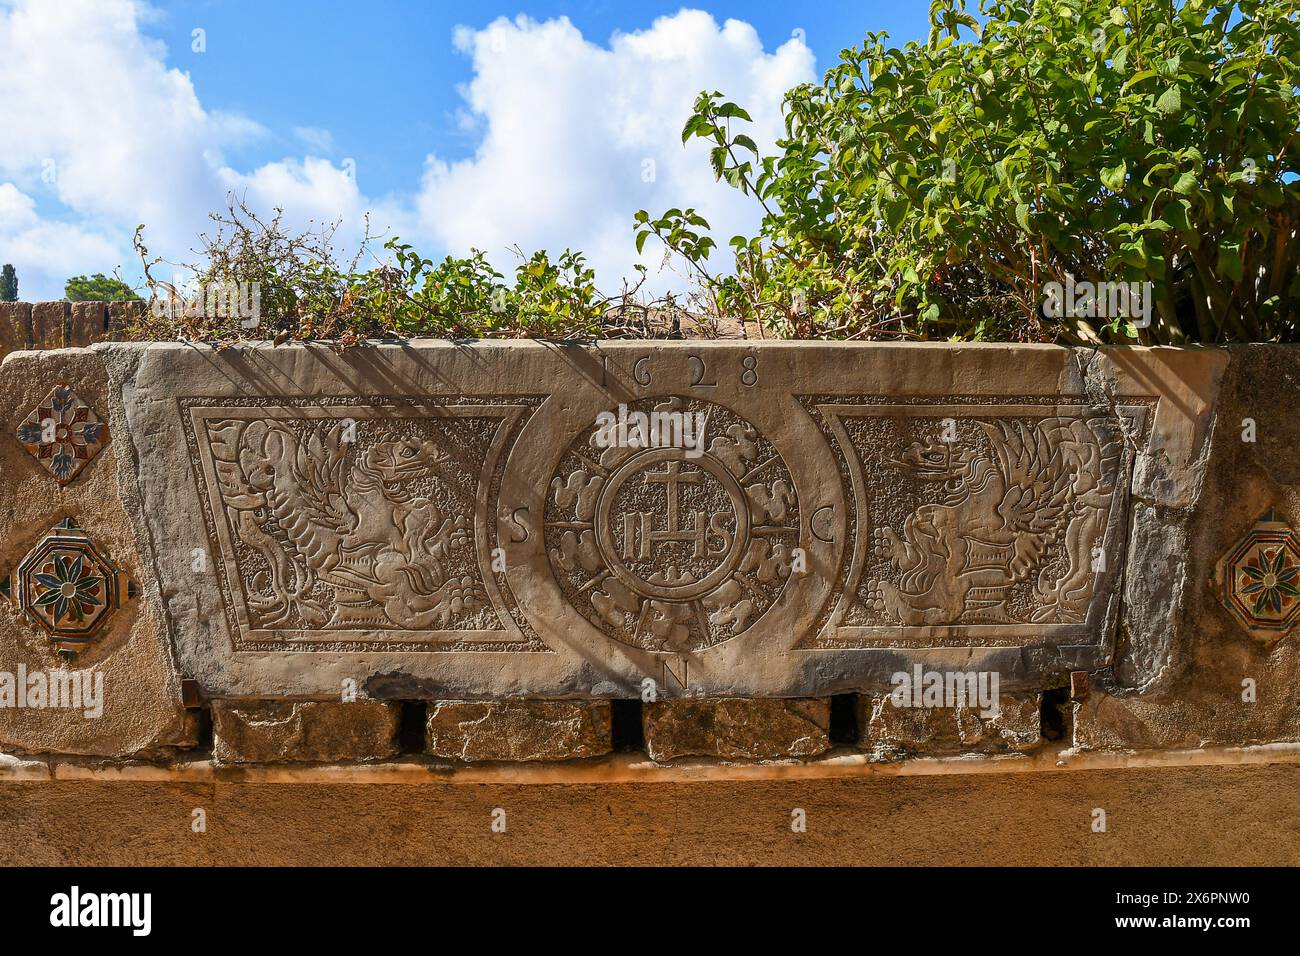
(831, 633)
(510, 636)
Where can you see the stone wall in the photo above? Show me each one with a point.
(747, 551)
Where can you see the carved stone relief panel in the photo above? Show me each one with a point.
(440, 520)
(978, 524)
(341, 526)
(673, 547)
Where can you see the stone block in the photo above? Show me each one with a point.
(475, 731)
(49, 323)
(88, 323)
(736, 728)
(123, 317)
(15, 326)
(1195, 670)
(450, 522)
(270, 731)
(890, 732)
(796, 546)
(118, 660)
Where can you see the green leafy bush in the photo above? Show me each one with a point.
(933, 191)
(942, 190)
(306, 292)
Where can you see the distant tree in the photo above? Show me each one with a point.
(8, 284)
(98, 288)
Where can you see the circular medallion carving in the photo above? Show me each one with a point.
(671, 524)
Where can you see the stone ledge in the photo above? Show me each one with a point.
(737, 728)
(267, 731)
(515, 730)
(1197, 815)
(622, 768)
(799, 441)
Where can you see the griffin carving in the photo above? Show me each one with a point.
(346, 541)
(1003, 508)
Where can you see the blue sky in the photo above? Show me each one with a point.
(447, 124)
(382, 75)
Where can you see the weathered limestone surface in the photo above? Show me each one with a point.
(88, 323)
(890, 732)
(48, 321)
(270, 731)
(1157, 816)
(439, 520)
(130, 653)
(737, 728)
(15, 326)
(1193, 677)
(475, 731)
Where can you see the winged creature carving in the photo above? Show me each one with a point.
(1003, 508)
(346, 540)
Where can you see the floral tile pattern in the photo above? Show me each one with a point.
(63, 433)
(68, 586)
(1258, 580)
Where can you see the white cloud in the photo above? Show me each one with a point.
(578, 137)
(47, 251)
(89, 103)
(315, 138)
(313, 189)
(101, 131)
(98, 125)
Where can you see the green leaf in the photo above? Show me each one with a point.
(1138, 77)
(1176, 214)
(1022, 216)
(732, 111)
(896, 212)
(1134, 254)
(1230, 260)
(1186, 183)
(1171, 101)
(1113, 178)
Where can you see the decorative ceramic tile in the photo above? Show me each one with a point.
(68, 585)
(63, 433)
(1259, 579)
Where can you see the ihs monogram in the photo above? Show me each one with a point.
(674, 548)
